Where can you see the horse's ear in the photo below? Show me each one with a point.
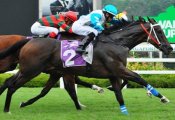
(154, 20)
(141, 19)
(148, 19)
(151, 20)
(132, 18)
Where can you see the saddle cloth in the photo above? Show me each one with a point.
(69, 56)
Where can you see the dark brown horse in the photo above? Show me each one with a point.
(110, 57)
(10, 62)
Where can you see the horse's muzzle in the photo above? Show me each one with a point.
(166, 49)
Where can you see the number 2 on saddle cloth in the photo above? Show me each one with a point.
(69, 56)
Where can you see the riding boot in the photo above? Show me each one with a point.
(85, 42)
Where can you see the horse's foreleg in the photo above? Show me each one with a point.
(54, 77)
(117, 90)
(125, 82)
(7, 82)
(69, 84)
(134, 77)
(8, 99)
(18, 81)
(83, 83)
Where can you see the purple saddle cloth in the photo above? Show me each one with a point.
(69, 56)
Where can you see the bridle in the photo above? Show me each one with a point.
(150, 36)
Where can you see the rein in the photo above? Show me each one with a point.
(150, 37)
(154, 38)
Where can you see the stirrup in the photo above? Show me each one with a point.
(80, 51)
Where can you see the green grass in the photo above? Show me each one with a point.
(57, 105)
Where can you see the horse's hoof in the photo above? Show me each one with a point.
(164, 100)
(21, 105)
(149, 94)
(9, 113)
(100, 90)
(125, 112)
(79, 109)
(124, 109)
(81, 104)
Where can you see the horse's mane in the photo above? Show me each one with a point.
(126, 24)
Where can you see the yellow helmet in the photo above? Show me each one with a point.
(121, 15)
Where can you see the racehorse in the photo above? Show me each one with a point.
(110, 58)
(10, 62)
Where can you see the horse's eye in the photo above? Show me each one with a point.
(159, 30)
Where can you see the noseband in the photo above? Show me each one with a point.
(150, 36)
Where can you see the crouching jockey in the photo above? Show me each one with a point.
(118, 20)
(90, 25)
(53, 24)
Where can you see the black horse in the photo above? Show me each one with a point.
(110, 58)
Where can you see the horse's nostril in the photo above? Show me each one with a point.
(170, 48)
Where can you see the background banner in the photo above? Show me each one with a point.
(82, 7)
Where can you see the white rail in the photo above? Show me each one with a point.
(151, 60)
(155, 71)
(146, 47)
(149, 48)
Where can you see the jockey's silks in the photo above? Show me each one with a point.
(57, 21)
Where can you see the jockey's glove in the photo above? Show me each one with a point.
(61, 30)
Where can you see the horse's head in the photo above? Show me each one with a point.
(156, 36)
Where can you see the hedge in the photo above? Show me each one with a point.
(159, 81)
(39, 81)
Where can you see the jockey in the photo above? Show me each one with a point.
(120, 19)
(90, 25)
(54, 24)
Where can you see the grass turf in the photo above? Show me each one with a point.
(57, 105)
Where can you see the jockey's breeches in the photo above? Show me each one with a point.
(81, 29)
(38, 29)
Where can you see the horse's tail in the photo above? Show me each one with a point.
(12, 49)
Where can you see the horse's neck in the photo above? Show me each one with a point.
(134, 41)
(129, 37)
